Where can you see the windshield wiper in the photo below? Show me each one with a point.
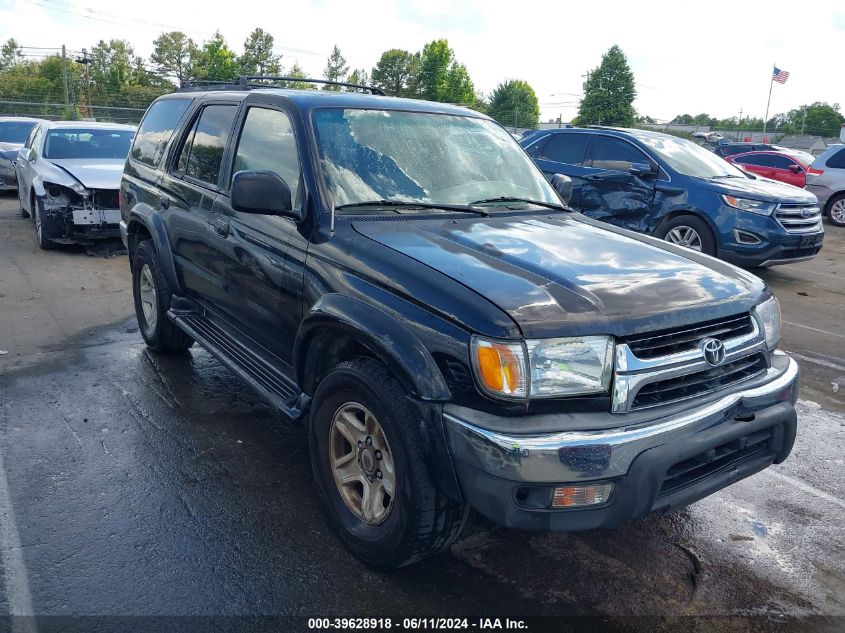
(539, 203)
(408, 204)
(728, 176)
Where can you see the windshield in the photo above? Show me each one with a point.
(87, 143)
(370, 155)
(690, 159)
(15, 131)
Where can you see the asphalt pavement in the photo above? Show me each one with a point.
(139, 485)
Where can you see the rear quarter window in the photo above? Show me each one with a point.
(837, 161)
(156, 129)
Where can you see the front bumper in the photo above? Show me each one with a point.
(510, 478)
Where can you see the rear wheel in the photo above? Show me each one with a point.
(152, 301)
(690, 232)
(371, 476)
(836, 210)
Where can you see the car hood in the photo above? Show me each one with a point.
(563, 274)
(93, 173)
(9, 151)
(760, 188)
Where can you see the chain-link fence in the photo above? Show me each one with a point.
(62, 112)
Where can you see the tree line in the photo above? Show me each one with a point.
(111, 74)
(816, 119)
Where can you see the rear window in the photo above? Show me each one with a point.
(837, 161)
(156, 129)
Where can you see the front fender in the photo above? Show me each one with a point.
(144, 215)
(382, 334)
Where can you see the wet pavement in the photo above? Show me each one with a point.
(135, 484)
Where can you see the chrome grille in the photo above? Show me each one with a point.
(799, 218)
(677, 340)
(699, 383)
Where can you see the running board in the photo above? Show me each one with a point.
(260, 374)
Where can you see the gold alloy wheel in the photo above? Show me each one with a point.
(149, 300)
(362, 463)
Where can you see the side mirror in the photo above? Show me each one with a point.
(795, 168)
(27, 154)
(262, 192)
(563, 185)
(641, 169)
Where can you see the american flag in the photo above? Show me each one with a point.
(780, 76)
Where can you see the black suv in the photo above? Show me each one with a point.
(399, 276)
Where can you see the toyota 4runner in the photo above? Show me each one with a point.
(399, 276)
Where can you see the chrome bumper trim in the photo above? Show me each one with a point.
(585, 455)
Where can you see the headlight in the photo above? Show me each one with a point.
(570, 366)
(745, 204)
(768, 315)
(544, 368)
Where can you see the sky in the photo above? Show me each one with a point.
(714, 57)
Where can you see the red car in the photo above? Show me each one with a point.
(789, 167)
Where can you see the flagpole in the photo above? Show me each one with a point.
(771, 83)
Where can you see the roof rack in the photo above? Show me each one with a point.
(247, 82)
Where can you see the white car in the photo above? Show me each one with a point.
(68, 176)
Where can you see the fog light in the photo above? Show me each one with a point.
(577, 496)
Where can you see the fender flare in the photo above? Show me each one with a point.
(152, 221)
(381, 334)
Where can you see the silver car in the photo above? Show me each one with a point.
(69, 175)
(826, 179)
(13, 132)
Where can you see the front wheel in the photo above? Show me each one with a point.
(836, 210)
(690, 232)
(372, 479)
(41, 231)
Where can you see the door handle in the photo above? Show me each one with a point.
(163, 202)
(221, 227)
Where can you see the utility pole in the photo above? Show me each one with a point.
(64, 73)
(803, 121)
(85, 61)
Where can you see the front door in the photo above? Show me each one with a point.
(264, 257)
(615, 189)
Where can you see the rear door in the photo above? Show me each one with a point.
(612, 192)
(264, 255)
(189, 188)
(564, 153)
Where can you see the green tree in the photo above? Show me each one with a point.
(817, 119)
(172, 53)
(514, 104)
(113, 66)
(414, 85)
(435, 61)
(10, 54)
(609, 92)
(392, 73)
(336, 68)
(258, 57)
(358, 76)
(214, 61)
(296, 71)
(459, 86)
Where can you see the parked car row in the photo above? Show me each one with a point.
(676, 190)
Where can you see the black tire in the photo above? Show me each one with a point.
(838, 198)
(42, 233)
(708, 242)
(162, 335)
(422, 521)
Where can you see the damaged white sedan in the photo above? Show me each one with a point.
(68, 176)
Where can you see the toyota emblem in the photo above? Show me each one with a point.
(714, 351)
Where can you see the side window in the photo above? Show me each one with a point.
(566, 148)
(837, 161)
(534, 150)
(156, 129)
(760, 160)
(781, 162)
(614, 153)
(202, 152)
(268, 142)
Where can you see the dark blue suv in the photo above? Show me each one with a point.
(675, 190)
